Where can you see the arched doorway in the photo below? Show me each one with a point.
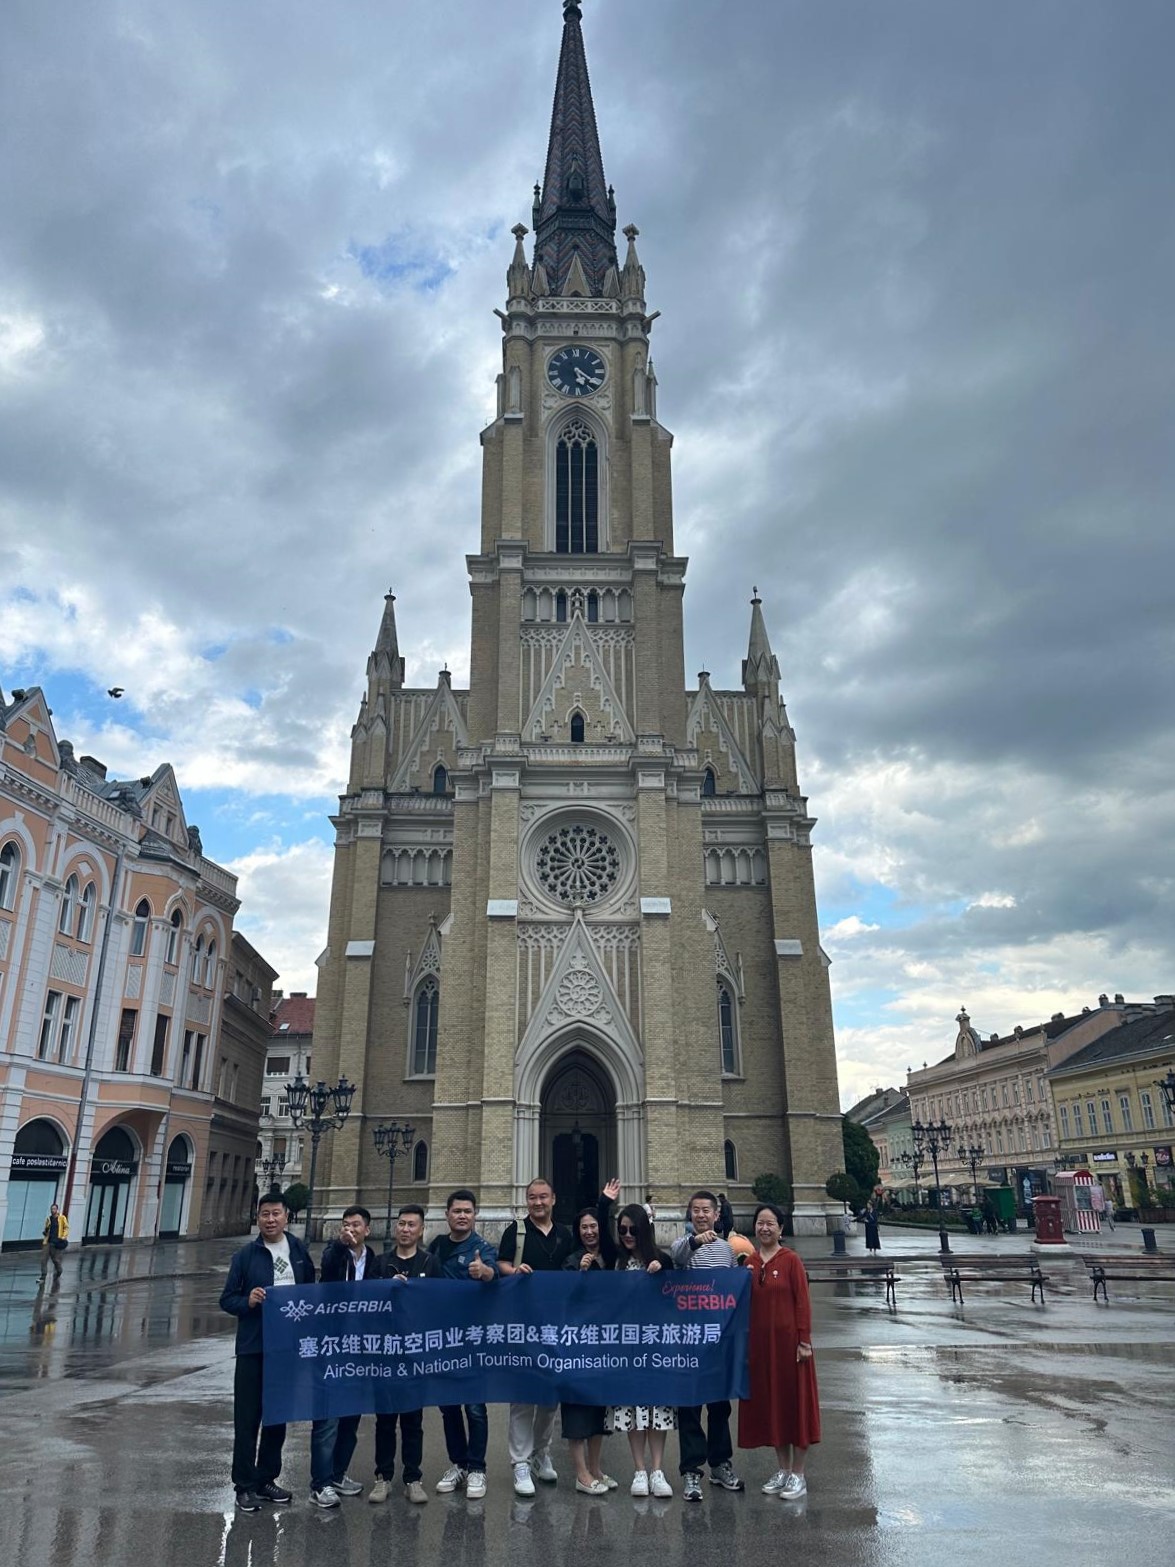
(577, 1131)
(34, 1181)
(175, 1188)
(112, 1171)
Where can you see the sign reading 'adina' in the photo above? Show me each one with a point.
(544, 1338)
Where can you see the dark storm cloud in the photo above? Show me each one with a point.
(913, 262)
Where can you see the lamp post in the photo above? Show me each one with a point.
(391, 1139)
(913, 1161)
(935, 1139)
(1166, 1085)
(271, 1168)
(970, 1154)
(1138, 1166)
(308, 1113)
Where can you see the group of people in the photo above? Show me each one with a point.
(781, 1413)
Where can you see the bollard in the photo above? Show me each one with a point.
(944, 1244)
(838, 1243)
(1148, 1239)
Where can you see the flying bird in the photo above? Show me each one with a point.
(115, 692)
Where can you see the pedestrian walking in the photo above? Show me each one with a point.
(872, 1237)
(54, 1240)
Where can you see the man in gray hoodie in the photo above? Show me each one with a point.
(705, 1248)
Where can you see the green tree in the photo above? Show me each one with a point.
(297, 1196)
(774, 1188)
(861, 1155)
(844, 1189)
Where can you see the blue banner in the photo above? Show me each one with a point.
(675, 1338)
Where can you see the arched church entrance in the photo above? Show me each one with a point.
(577, 1131)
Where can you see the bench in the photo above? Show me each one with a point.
(833, 1270)
(981, 1270)
(1135, 1269)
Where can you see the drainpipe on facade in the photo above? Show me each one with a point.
(92, 1034)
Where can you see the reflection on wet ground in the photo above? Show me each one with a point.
(949, 1432)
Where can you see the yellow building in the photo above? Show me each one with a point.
(114, 935)
(1112, 1115)
(573, 923)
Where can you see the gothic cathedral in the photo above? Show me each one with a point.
(573, 923)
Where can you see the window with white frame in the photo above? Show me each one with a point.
(9, 875)
(139, 928)
(174, 933)
(67, 1036)
(210, 966)
(68, 912)
(86, 912)
(1148, 1110)
(1064, 1114)
(1107, 1117)
(49, 1024)
(1126, 1112)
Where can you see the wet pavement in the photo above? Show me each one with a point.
(957, 1434)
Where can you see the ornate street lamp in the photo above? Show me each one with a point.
(272, 1169)
(1167, 1085)
(913, 1161)
(391, 1139)
(935, 1139)
(308, 1112)
(970, 1154)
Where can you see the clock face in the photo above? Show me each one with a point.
(576, 372)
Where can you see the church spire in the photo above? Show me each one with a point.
(575, 212)
(385, 667)
(760, 667)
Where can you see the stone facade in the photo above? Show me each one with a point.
(573, 923)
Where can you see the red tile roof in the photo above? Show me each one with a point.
(295, 1011)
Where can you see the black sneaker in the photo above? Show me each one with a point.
(725, 1476)
(248, 1502)
(272, 1492)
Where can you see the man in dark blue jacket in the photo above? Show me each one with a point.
(271, 1261)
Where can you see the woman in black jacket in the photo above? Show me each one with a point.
(583, 1424)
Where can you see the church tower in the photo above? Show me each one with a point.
(573, 925)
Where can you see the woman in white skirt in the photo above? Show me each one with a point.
(646, 1426)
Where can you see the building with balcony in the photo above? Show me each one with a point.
(290, 1051)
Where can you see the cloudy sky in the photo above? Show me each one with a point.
(914, 262)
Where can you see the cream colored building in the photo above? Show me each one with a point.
(114, 933)
(573, 925)
(993, 1094)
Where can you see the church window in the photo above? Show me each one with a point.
(727, 1030)
(86, 912)
(709, 784)
(593, 607)
(197, 959)
(730, 1157)
(440, 780)
(69, 907)
(560, 607)
(210, 966)
(577, 729)
(420, 1162)
(9, 875)
(578, 864)
(577, 462)
(424, 1030)
(139, 929)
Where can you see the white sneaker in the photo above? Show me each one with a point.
(543, 1469)
(793, 1488)
(327, 1497)
(659, 1485)
(523, 1484)
(640, 1484)
(776, 1483)
(475, 1484)
(347, 1487)
(452, 1479)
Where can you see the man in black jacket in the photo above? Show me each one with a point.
(406, 1260)
(332, 1442)
(271, 1261)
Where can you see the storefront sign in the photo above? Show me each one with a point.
(1163, 1157)
(1105, 1156)
(998, 1174)
(115, 1167)
(38, 1164)
(178, 1167)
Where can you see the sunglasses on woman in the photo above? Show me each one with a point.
(626, 1229)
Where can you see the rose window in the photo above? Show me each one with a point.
(578, 864)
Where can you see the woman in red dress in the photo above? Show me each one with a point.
(783, 1410)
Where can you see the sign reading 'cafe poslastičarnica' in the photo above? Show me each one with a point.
(599, 1338)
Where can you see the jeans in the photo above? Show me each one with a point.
(468, 1452)
(253, 1465)
(698, 1447)
(332, 1446)
(412, 1434)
